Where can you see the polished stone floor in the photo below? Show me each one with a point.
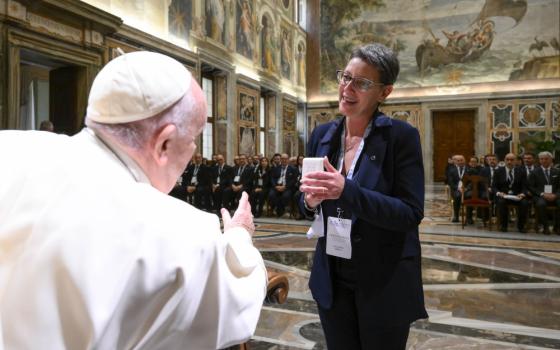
(483, 289)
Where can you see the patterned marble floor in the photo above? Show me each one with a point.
(483, 289)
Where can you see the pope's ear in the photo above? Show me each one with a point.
(162, 140)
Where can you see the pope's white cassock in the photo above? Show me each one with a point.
(93, 257)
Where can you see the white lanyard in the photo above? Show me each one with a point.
(461, 173)
(195, 171)
(546, 176)
(358, 152)
(510, 177)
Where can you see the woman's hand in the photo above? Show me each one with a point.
(321, 185)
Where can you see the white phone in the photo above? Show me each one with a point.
(311, 165)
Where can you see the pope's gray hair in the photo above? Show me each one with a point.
(137, 134)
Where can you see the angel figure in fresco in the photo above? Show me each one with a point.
(269, 47)
(286, 54)
(245, 28)
(301, 65)
(216, 16)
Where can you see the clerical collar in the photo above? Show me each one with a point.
(133, 167)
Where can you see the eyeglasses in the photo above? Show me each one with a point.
(361, 84)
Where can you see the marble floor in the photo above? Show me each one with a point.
(483, 289)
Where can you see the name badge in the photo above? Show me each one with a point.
(547, 188)
(280, 182)
(193, 180)
(460, 185)
(236, 179)
(338, 237)
(218, 180)
(259, 182)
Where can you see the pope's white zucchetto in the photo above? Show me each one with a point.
(136, 86)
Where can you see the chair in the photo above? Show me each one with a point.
(450, 200)
(277, 290)
(475, 184)
(549, 210)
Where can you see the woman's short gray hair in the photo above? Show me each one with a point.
(382, 58)
(137, 134)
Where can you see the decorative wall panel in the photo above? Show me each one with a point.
(518, 126)
(247, 119)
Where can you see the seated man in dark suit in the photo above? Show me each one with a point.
(222, 177)
(242, 181)
(528, 166)
(488, 172)
(510, 181)
(179, 191)
(454, 180)
(544, 184)
(473, 168)
(261, 187)
(197, 182)
(283, 179)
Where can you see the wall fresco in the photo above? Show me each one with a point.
(446, 42)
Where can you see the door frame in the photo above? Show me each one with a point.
(480, 128)
(52, 48)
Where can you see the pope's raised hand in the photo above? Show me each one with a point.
(242, 216)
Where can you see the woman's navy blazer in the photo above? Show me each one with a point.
(386, 196)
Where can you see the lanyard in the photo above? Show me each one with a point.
(358, 152)
(510, 177)
(461, 173)
(546, 176)
(195, 171)
(240, 170)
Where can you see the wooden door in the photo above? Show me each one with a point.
(453, 134)
(68, 98)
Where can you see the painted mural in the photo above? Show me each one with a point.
(245, 28)
(215, 20)
(300, 59)
(180, 18)
(446, 42)
(286, 53)
(268, 45)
